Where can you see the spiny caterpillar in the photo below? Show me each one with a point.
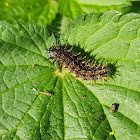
(76, 64)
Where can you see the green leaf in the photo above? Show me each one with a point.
(26, 114)
(72, 8)
(43, 12)
(115, 39)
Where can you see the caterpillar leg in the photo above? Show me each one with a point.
(93, 82)
(74, 79)
(106, 78)
(85, 82)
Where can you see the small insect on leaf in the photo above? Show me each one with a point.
(46, 93)
(114, 107)
(112, 133)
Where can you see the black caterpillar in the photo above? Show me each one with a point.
(78, 65)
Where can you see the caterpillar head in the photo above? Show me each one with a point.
(52, 52)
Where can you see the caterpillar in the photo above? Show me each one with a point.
(77, 64)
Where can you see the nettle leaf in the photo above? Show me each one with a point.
(72, 8)
(26, 114)
(115, 38)
(43, 12)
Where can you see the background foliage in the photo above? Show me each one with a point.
(27, 28)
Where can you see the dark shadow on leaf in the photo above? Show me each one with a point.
(134, 8)
(55, 26)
